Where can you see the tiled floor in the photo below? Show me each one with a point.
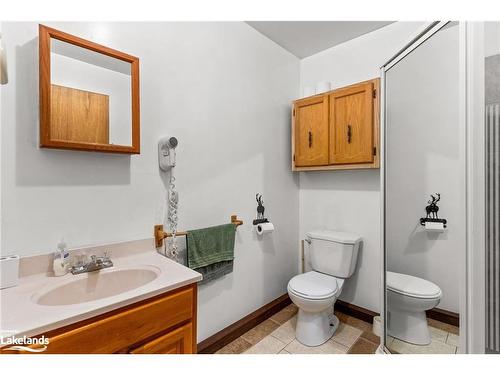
(276, 335)
(444, 340)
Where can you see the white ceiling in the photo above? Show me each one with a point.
(305, 38)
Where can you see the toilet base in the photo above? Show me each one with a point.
(315, 328)
(409, 326)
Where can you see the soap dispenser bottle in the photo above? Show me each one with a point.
(61, 259)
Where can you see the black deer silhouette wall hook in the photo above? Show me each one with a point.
(432, 211)
(260, 210)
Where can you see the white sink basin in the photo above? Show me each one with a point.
(96, 285)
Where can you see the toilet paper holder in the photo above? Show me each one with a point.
(432, 212)
(424, 220)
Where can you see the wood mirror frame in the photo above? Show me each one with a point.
(45, 36)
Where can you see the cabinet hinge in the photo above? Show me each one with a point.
(374, 93)
(374, 151)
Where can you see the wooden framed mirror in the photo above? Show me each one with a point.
(89, 95)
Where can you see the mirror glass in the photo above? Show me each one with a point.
(90, 96)
(424, 186)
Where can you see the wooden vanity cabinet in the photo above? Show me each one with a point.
(337, 130)
(165, 324)
(178, 341)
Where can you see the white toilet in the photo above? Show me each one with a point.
(333, 258)
(408, 297)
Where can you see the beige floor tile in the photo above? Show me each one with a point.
(453, 340)
(286, 332)
(259, 332)
(342, 317)
(329, 347)
(438, 334)
(284, 315)
(370, 336)
(354, 322)
(284, 352)
(435, 347)
(363, 346)
(346, 335)
(444, 326)
(237, 346)
(268, 345)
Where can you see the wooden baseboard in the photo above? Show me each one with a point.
(366, 315)
(355, 311)
(444, 316)
(235, 330)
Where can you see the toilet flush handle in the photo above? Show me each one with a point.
(308, 240)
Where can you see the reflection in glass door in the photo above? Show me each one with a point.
(425, 195)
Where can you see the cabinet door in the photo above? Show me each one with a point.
(351, 125)
(311, 131)
(178, 341)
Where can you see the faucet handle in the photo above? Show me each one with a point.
(80, 260)
(107, 254)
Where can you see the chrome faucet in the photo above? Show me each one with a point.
(96, 263)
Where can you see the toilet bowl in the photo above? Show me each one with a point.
(408, 297)
(332, 257)
(314, 294)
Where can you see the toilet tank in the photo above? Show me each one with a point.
(333, 253)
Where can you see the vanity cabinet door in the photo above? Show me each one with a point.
(351, 125)
(178, 341)
(310, 129)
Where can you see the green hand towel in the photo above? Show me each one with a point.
(210, 245)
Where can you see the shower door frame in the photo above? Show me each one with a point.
(471, 288)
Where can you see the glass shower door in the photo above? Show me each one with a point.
(492, 135)
(425, 192)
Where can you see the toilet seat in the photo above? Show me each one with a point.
(315, 285)
(412, 286)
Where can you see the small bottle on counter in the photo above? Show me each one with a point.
(61, 259)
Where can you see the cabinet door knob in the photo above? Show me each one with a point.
(349, 133)
(310, 139)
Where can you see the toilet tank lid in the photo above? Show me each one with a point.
(334, 236)
(411, 285)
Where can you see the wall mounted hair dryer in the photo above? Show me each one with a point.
(166, 152)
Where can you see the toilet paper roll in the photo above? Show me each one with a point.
(434, 227)
(264, 228)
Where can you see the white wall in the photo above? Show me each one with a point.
(426, 154)
(491, 38)
(224, 90)
(350, 200)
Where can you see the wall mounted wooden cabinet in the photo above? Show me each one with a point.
(337, 130)
(311, 131)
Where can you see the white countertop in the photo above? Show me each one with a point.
(21, 315)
